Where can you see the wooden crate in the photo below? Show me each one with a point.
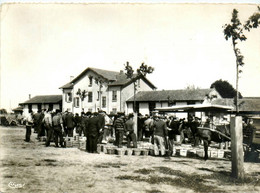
(220, 154)
(214, 154)
(183, 152)
(200, 153)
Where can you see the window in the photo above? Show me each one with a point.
(76, 101)
(114, 95)
(90, 81)
(90, 97)
(114, 110)
(50, 107)
(104, 102)
(98, 95)
(68, 97)
(89, 110)
(138, 83)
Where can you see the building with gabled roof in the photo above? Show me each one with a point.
(42, 102)
(147, 101)
(247, 105)
(97, 89)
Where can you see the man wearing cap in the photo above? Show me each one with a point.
(84, 125)
(47, 121)
(58, 128)
(70, 123)
(119, 129)
(93, 128)
(129, 129)
(160, 134)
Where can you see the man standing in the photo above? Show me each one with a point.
(119, 129)
(58, 128)
(47, 121)
(36, 121)
(29, 123)
(160, 136)
(70, 123)
(129, 129)
(101, 119)
(93, 127)
(84, 125)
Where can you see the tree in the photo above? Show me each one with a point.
(100, 83)
(225, 89)
(253, 21)
(143, 70)
(235, 32)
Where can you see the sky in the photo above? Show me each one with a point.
(42, 45)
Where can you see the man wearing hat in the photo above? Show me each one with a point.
(93, 128)
(160, 134)
(58, 128)
(129, 129)
(119, 129)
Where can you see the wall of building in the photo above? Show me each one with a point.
(116, 105)
(144, 108)
(84, 84)
(65, 104)
(128, 92)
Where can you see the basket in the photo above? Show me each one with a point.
(120, 151)
(145, 152)
(110, 151)
(137, 151)
(129, 152)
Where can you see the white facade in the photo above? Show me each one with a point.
(111, 99)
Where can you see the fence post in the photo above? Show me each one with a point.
(237, 147)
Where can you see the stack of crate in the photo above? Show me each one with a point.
(82, 144)
(42, 138)
(69, 141)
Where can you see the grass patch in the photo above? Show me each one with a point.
(144, 171)
(50, 160)
(8, 176)
(107, 165)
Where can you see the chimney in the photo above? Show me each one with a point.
(71, 78)
(29, 96)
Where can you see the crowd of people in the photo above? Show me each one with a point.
(98, 127)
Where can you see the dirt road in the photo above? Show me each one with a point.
(32, 167)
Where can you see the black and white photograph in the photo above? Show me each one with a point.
(129, 97)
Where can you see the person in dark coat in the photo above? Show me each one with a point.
(41, 129)
(78, 123)
(84, 125)
(119, 129)
(58, 128)
(129, 130)
(140, 126)
(70, 123)
(93, 128)
(101, 119)
(36, 121)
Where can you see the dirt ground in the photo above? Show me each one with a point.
(32, 167)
